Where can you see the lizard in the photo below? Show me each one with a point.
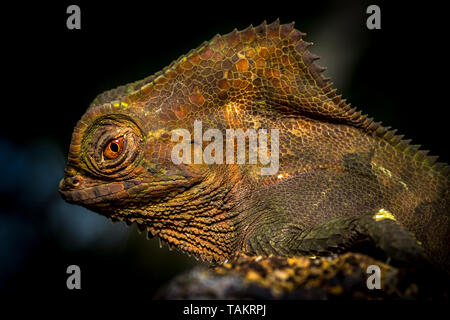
(343, 179)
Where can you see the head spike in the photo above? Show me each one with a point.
(412, 149)
(381, 131)
(285, 30)
(439, 166)
(309, 58)
(401, 146)
(390, 134)
(396, 139)
(431, 160)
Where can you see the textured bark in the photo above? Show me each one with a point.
(339, 277)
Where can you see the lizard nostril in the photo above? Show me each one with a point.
(73, 181)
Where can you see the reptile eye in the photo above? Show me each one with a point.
(114, 148)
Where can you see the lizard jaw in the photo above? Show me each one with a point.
(93, 195)
(115, 192)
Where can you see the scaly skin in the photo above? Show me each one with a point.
(343, 178)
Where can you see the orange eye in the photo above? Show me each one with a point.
(114, 148)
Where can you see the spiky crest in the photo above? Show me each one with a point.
(329, 104)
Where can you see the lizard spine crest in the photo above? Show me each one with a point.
(333, 108)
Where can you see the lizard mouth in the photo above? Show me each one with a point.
(93, 195)
(115, 192)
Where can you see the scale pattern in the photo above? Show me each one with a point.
(335, 163)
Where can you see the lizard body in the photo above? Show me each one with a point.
(342, 177)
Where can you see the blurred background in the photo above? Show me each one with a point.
(396, 75)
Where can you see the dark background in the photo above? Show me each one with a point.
(397, 74)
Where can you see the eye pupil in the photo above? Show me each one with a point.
(114, 147)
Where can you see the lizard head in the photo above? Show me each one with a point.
(118, 163)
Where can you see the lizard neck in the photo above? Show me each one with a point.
(200, 221)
